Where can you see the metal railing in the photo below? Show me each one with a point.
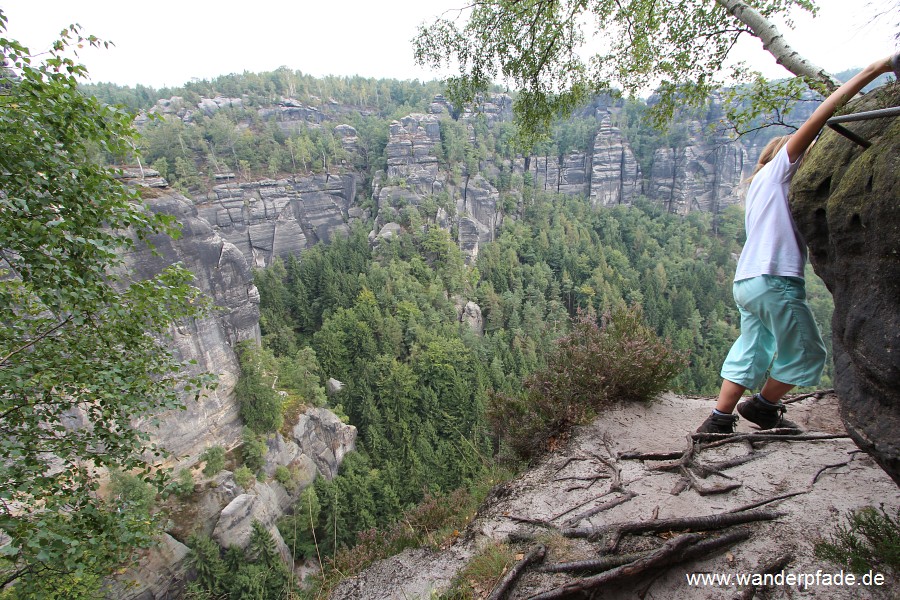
(834, 123)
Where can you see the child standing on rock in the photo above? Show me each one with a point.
(778, 333)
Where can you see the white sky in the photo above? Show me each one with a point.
(167, 43)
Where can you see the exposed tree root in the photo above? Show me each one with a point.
(502, 589)
(530, 521)
(682, 548)
(579, 505)
(773, 566)
(707, 490)
(818, 394)
(598, 509)
(705, 470)
(595, 565)
(771, 435)
(649, 455)
(704, 523)
(766, 501)
(570, 460)
(650, 564)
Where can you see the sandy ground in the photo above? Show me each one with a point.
(562, 481)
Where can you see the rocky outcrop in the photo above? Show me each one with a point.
(615, 173)
(160, 565)
(280, 218)
(492, 107)
(844, 201)
(323, 437)
(702, 173)
(410, 151)
(469, 314)
(568, 174)
(265, 503)
(222, 273)
(291, 115)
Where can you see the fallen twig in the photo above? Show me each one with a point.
(826, 467)
(502, 589)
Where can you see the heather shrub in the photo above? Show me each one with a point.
(870, 541)
(595, 365)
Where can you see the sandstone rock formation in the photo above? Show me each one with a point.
(160, 565)
(811, 484)
(845, 202)
(223, 274)
(323, 437)
(410, 150)
(615, 173)
(278, 218)
(703, 173)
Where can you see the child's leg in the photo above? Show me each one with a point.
(774, 390)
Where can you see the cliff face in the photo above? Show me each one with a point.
(279, 218)
(319, 441)
(845, 202)
(615, 173)
(224, 275)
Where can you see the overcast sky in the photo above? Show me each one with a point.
(167, 42)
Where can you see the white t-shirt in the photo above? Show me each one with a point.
(774, 246)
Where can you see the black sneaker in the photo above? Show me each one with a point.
(764, 415)
(716, 423)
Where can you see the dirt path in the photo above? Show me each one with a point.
(591, 484)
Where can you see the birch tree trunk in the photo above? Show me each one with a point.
(775, 44)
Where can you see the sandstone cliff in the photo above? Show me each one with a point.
(218, 506)
(222, 272)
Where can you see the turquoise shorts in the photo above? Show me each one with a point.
(778, 334)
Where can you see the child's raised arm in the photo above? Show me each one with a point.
(804, 136)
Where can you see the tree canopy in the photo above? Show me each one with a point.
(540, 46)
(81, 342)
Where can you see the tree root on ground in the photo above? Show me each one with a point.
(772, 567)
(616, 531)
(698, 542)
(679, 549)
(502, 589)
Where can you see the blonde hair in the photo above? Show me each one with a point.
(768, 153)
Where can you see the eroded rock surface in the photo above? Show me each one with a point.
(222, 273)
(325, 438)
(280, 218)
(845, 201)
